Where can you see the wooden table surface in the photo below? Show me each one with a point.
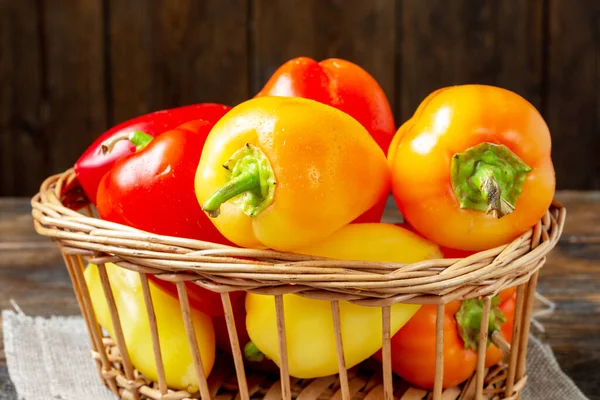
(33, 275)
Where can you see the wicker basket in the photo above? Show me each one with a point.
(83, 238)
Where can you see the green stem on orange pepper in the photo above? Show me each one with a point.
(488, 178)
(469, 320)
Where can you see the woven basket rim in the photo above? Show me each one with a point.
(223, 268)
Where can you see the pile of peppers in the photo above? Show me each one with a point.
(306, 166)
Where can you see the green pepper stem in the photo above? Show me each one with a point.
(488, 178)
(138, 138)
(252, 353)
(468, 320)
(248, 181)
(250, 186)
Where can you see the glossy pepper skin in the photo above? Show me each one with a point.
(346, 86)
(282, 172)
(413, 347)
(153, 190)
(471, 169)
(175, 349)
(341, 84)
(93, 163)
(309, 323)
(446, 251)
(260, 364)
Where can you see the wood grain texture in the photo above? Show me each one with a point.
(74, 69)
(23, 141)
(445, 43)
(359, 31)
(71, 68)
(570, 279)
(572, 106)
(166, 54)
(37, 280)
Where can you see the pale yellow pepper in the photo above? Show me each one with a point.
(177, 357)
(310, 334)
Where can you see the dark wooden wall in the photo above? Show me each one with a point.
(71, 68)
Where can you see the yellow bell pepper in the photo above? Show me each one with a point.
(309, 326)
(287, 172)
(129, 298)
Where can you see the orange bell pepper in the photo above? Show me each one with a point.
(472, 168)
(413, 347)
(286, 172)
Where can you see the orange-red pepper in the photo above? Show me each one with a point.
(346, 86)
(414, 346)
(338, 83)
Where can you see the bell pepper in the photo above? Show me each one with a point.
(258, 363)
(153, 189)
(94, 163)
(311, 346)
(346, 86)
(472, 169)
(286, 172)
(414, 346)
(176, 354)
(446, 251)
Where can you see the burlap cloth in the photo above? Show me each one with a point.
(49, 358)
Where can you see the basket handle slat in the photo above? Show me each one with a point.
(482, 347)
(439, 352)
(95, 327)
(286, 392)
(234, 341)
(339, 345)
(160, 368)
(525, 322)
(70, 266)
(516, 335)
(388, 387)
(191, 334)
(116, 322)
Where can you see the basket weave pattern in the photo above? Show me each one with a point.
(84, 238)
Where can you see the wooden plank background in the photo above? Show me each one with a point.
(69, 69)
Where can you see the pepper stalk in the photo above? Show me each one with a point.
(138, 138)
(251, 184)
(469, 320)
(488, 178)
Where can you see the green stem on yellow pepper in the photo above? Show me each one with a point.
(251, 176)
(488, 178)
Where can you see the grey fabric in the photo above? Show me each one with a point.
(545, 378)
(39, 364)
(41, 368)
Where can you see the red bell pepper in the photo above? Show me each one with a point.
(345, 86)
(153, 190)
(93, 163)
